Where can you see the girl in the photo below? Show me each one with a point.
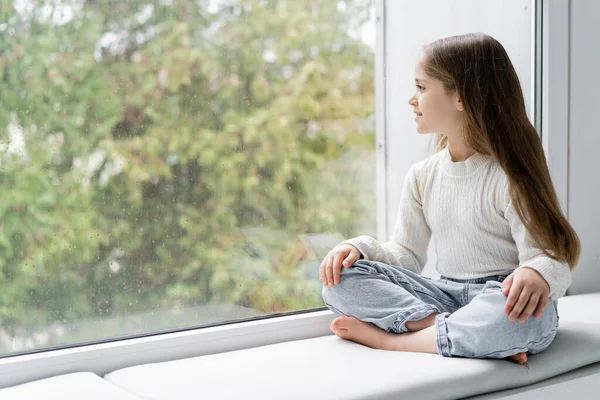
(505, 251)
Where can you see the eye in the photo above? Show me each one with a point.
(420, 87)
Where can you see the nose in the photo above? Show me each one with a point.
(412, 101)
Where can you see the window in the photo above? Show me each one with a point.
(172, 164)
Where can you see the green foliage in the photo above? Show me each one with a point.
(177, 165)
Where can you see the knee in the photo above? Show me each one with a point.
(334, 299)
(493, 304)
(482, 328)
(348, 285)
(330, 294)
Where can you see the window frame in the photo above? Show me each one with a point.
(555, 83)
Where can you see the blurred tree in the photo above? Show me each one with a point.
(143, 140)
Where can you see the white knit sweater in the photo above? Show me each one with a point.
(467, 210)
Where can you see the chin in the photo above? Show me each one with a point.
(422, 131)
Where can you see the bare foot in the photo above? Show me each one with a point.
(519, 358)
(367, 334)
(351, 328)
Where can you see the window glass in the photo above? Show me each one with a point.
(168, 164)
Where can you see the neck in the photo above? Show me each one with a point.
(464, 166)
(459, 151)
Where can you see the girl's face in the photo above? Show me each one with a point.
(435, 110)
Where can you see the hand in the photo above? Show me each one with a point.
(329, 271)
(528, 292)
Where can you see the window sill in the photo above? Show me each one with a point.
(103, 358)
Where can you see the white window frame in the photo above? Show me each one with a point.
(102, 358)
(555, 93)
(381, 148)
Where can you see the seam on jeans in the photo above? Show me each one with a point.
(400, 279)
(534, 342)
(465, 294)
(410, 312)
(368, 269)
(336, 310)
(417, 288)
(489, 285)
(443, 346)
(432, 295)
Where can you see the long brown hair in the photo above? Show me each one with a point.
(477, 67)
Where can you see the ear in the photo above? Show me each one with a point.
(459, 104)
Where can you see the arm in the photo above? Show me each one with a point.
(556, 274)
(408, 245)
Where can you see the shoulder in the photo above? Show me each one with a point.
(419, 174)
(423, 169)
(499, 184)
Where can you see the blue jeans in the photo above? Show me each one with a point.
(471, 321)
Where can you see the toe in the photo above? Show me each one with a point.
(335, 324)
(516, 358)
(342, 323)
(519, 358)
(343, 333)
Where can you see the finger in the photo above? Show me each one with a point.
(507, 283)
(520, 305)
(348, 261)
(515, 292)
(541, 307)
(329, 271)
(533, 302)
(351, 259)
(322, 276)
(337, 266)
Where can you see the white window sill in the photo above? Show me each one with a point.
(103, 358)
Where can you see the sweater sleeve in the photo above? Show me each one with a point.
(408, 245)
(556, 274)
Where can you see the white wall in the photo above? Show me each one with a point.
(584, 141)
(408, 26)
